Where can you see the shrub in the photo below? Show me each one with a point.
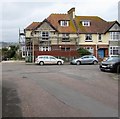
(82, 52)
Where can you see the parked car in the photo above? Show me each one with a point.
(105, 58)
(112, 64)
(87, 59)
(47, 59)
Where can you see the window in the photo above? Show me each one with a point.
(115, 50)
(65, 38)
(99, 38)
(44, 48)
(90, 49)
(88, 38)
(115, 35)
(45, 35)
(86, 23)
(65, 49)
(23, 53)
(52, 58)
(64, 23)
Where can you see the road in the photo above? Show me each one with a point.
(58, 91)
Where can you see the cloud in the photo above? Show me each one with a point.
(20, 13)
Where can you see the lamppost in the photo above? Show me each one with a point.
(33, 51)
(60, 51)
(97, 46)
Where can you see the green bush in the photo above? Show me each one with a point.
(82, 52)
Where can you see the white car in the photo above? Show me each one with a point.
(47, 59)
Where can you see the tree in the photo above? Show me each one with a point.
(82, 52)
(10, 52)
(4, 53)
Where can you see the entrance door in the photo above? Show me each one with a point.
(101, 53)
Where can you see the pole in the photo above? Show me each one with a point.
(33, 50)
(19, 44)
(97, 46)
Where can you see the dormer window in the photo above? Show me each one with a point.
(64, 23)
(86, 23)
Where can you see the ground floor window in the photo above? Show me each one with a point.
(114, 50)
(90, 49)
(44, 48)
(23, 53)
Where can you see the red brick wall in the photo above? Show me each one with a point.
(57, 53)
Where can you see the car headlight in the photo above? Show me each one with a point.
(110, 65)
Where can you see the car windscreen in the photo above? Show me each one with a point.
(113, 59)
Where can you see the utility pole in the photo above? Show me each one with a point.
(97, 46)
(21, 41)
(33, 50)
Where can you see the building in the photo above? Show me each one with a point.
(61, 35)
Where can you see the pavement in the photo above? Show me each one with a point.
(58, 91)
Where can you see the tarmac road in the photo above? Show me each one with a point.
(58, 91)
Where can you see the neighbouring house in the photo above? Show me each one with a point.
(61, 35)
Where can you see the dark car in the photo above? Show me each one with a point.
(112, 64)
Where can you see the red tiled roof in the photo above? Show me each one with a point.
(109, 25)
(54, 20)
(33, 26)
(97, 25)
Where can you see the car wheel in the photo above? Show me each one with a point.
(41, 63)
(78, 62)
(95, 62)
(59, 62)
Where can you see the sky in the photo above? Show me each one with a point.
(18, 14)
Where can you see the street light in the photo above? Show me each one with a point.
(60, 51)
(97, 46)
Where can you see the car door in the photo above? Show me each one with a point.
(85, 60)
(46, 60)
(53, 60)
(90, 59)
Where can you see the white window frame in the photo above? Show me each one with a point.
(89, 36)
(113, 50)
(64, 23)
(45, 36)
(90, 49)
(86, 23)
(115, 36)
(44, 48)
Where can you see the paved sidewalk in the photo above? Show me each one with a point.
(9, 61)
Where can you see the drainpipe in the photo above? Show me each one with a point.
(33, 52)
(97, 46)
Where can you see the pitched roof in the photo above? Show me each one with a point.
(55, 19)
(97, 25)
(45, 20)
(33, 26)
(110, 24)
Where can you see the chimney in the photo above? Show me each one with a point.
(71, 13)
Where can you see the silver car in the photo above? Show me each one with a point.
(47, 59)
(87, 59)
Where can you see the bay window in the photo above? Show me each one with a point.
(114, 50)
(115, 35)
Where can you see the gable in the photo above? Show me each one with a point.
(45, 26)
(115, 27)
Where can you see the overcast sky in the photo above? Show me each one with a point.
(17, 14)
